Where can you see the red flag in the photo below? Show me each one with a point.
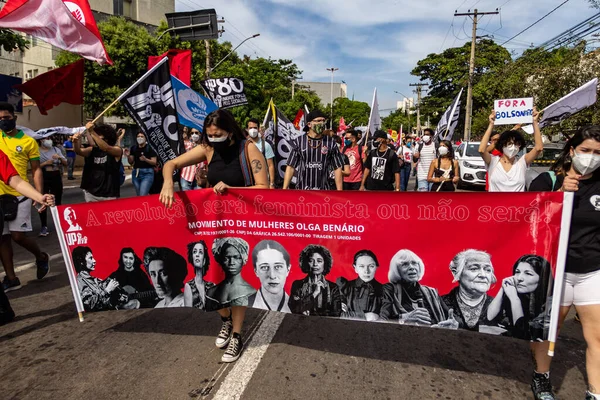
(342, 127)
(180, 64)
(52, 21)
(298, 119)
(60, 85)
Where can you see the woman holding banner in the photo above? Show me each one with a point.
(578, 170)
(443, 172)
(314, 295)
(407, 301)
(223, 147)
(506, 173)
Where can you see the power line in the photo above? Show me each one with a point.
(524, 30)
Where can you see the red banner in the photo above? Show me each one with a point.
(452, 260)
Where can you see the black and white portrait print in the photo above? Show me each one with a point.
(272, 265)
(361, 297)
(378, 168)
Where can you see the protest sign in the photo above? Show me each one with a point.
(225, 92)
(150, 102)
(192, 107)
(513, 111)
(324, 253)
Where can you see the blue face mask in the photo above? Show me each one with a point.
(347, 142)
(408, 144)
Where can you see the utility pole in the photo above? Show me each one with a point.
(474, 14)
(332, 69)
(418, 91)
(207, 45)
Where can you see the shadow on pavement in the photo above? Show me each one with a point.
(56, 318)
(34, 286)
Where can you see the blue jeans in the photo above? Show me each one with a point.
(70, 166)
(404, 176)
(142, 179)
(187, 185)
(423, 185)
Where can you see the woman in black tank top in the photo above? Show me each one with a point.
(443, 171)
(221, 147)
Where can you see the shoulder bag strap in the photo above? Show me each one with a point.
(245, 163)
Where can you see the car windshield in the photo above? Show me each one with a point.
(547, 158)
(473, 150)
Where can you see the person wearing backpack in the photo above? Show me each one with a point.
(382, 170)
(577, 170)
(356, 156)
(425, 153)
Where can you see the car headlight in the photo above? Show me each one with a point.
(473, 166)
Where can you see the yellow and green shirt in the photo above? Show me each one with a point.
(20, 149)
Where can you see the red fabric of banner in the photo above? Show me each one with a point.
(60, 85)
(433, 229)
(180, 62)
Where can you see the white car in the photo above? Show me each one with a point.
(472, 167)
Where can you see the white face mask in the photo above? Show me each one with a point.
(586, 163)
(511, 150)
(253, 132)
(195, 137)
(47, 143)
(443, 150)
(217, 139)
(426, 138)
(141, 140)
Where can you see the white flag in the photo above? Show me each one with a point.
(449, 120)
(374, 120)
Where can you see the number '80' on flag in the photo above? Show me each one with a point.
(226, 92)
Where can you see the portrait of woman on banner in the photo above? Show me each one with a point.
(473, 271)
(231, 254)
(194, 292)
(167, 270)
(361, 297)
(522, 306)
(407, 301)
(97, 294)
(133, 280)
(314, 295)
(272, 266)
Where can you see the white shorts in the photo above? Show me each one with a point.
(581, 289)
(90, 198)
(23, 221)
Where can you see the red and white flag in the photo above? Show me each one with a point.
(68, 25)
(299, 120)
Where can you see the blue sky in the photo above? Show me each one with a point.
(377, 43)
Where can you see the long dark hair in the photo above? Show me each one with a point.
(222, 119)
(562, 165)
(79, 253)
(537, 299)
(137, 262)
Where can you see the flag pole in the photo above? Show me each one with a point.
(151, 70)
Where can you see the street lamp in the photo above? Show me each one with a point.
(332, 69)
(231, 52)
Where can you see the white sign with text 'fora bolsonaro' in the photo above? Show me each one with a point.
(514, 111)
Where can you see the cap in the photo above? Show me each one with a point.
(379, 134)
(314, 114)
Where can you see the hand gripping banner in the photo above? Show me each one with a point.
(479, 262)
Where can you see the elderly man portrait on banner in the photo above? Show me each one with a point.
(407, 301)
(473, 271)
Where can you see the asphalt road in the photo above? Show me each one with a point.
(170, 354)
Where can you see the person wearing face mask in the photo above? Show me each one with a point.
(443, 172)
(405, 157)
(187, 180)
(312, 156)
(143, 159)
(345, 170)
(51, 158)
(382, 171)
(425, 152)
(224, 149)
(506, 173)
(578, 170)
(22, 151)
(265, 148)
(356, 157)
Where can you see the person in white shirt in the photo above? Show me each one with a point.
(264, 147)
(405, 155)
(425, 152)
(506, 172)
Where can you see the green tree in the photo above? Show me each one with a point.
(355, 112)
(11, 41)
(396, 119)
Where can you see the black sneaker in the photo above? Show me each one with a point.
(43, 266)
(589, 396)
(234, 349)
(224, 337)
(541, 387)
(11, 284)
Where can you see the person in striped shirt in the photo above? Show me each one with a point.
(425, 152)
(187, 180)
(311, 157)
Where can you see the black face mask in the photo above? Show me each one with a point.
(8, 125)
(221, 146)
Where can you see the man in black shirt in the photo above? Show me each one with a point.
(382, 170)
(311, 157)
